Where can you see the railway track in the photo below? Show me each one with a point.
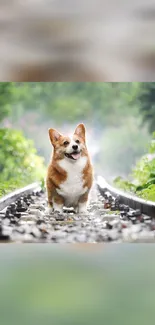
(113, 216)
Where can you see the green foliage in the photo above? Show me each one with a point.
(5, 98)
(19, 163)
(69, 106)
(124, 184)
(148, 193)
(143, 176)
(145, 168)
(11, 185)
(101, 103)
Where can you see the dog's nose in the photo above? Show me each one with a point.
(75, 147)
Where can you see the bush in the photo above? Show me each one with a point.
(143, 176)
(19, 162)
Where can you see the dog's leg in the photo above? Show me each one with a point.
(50, 192)
(82, 204)
(58, 203)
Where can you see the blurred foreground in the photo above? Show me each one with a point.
(79, 284)
(75, 40)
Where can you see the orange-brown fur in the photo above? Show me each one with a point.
(57, 175)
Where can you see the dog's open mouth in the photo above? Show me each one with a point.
(73, 155)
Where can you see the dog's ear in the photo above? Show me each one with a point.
(54, 136)
(80, 131)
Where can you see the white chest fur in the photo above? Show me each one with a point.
(72, 188)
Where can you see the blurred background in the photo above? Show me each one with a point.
(119, 117)
(76, 40)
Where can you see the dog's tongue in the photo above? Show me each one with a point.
(75, 155)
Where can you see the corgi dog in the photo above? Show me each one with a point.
(70, 173)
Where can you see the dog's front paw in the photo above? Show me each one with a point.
(82, 208)
(58, 208)
(49, 210)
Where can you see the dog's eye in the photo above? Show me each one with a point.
(66, 143)
(77, 141)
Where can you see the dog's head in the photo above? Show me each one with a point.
(70, 148)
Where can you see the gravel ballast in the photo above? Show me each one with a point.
(27, 221)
